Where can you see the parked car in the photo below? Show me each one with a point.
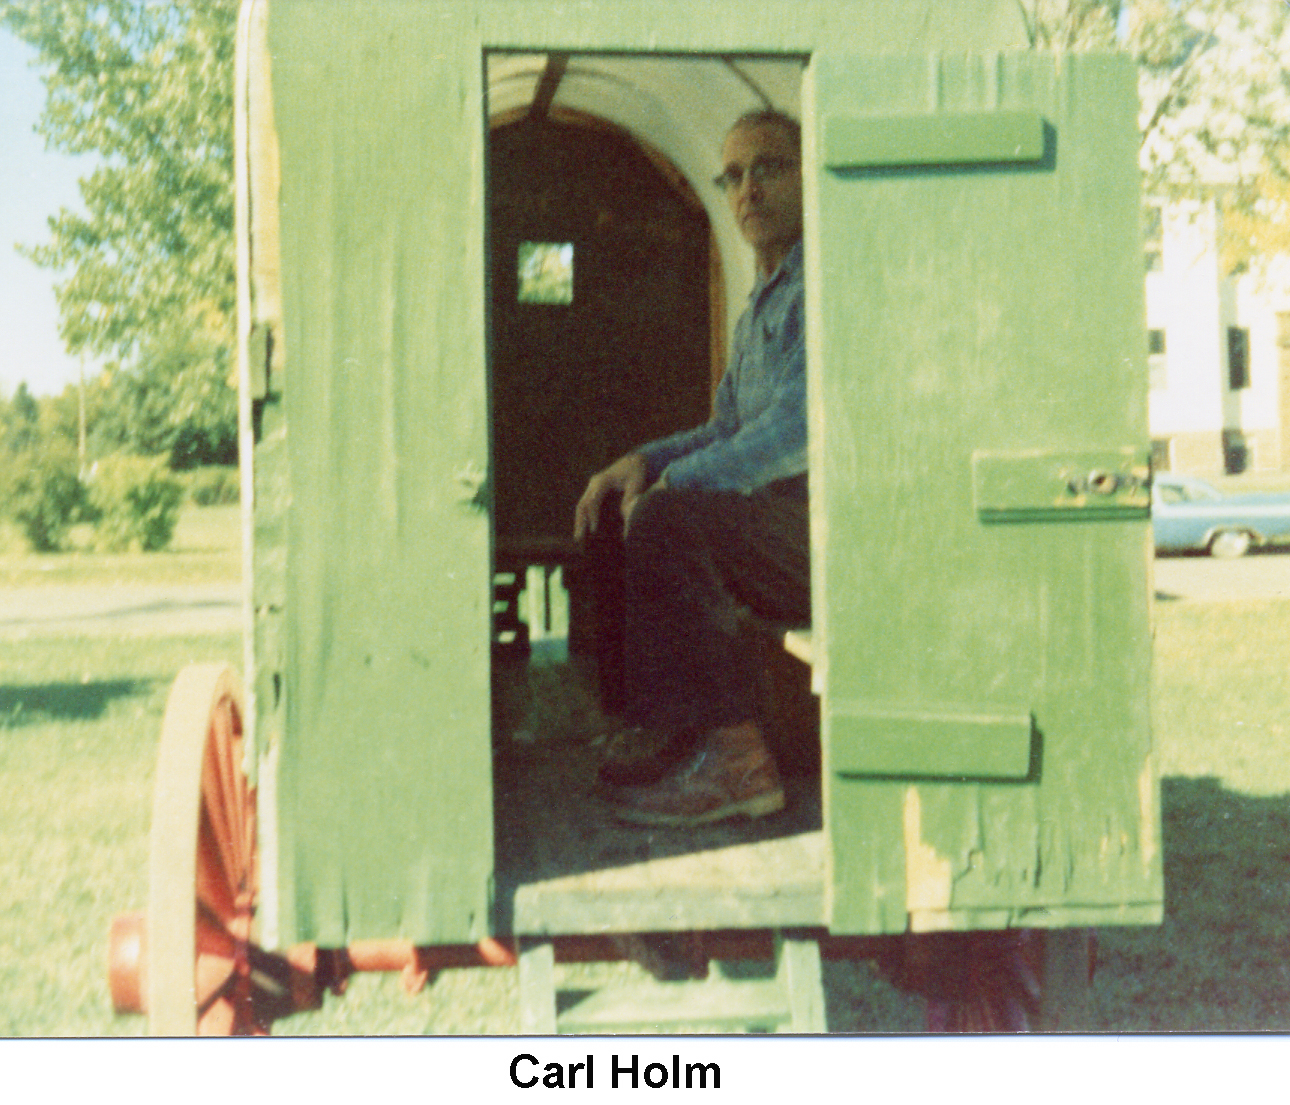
(1188, 513)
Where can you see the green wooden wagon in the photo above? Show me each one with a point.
(479, 256)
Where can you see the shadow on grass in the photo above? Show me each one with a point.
(37, 703)
(1221, 961)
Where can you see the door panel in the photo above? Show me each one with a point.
(981, 581)
(385, 805)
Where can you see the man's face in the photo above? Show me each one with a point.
(768, 211)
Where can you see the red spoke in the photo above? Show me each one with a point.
(214, 974)
(218, 799)
(213, 935)
(215, 888)
(234, 784)
(218, 1020)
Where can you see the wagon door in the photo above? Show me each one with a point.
(384, 798)
(980, 492)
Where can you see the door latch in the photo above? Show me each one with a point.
(1052, 485)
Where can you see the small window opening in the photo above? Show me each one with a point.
(1238, 358)
(546, 272)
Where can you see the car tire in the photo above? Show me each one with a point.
(1228, 544)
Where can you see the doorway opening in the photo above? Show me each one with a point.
(608, 328)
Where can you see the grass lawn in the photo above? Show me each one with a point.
(79, 723)
(1219, 961)
(80, 718)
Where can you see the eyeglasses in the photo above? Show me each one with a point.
(761, 170)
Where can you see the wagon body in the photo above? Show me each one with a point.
(980, 644)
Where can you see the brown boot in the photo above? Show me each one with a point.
(641, 757)
(731, 774)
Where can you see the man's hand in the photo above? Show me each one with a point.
(629, 503)
(627, 474)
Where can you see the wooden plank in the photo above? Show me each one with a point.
(879, 740)
(714, 1005)
(949, 138)
(799, 643)
(1046, 485)
(773, 27)
(385, 781)
(552, 75)
(802, 978)
(537, 988)
(774, 883)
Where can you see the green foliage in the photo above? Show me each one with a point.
(176, 400)
(43, 494)
(1215, 89)
(1216, 105)
(136, 501)
(213, 485)
(1071, 24)
(546, 272)
(147, 86)
(19, 421)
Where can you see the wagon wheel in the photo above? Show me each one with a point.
(1019, 980)
(202, 868)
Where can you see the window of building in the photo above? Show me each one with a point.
(1157, 364)
(1162, 454)
(1238, 452)
(546, 272)
(1238, 358)
(1153, 238)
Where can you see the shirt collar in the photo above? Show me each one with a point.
(788, 268)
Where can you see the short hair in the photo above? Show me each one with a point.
(770, 117)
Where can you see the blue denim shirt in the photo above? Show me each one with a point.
(757, 432)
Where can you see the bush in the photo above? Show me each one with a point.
(137, 501)
(43, 494)
(216, 485)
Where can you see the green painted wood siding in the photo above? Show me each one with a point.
(960, 309)
(384, 794)
(980, 308)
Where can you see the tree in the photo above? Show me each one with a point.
(19, 421)
(171, 403)
(1215, 98)
(148, 86)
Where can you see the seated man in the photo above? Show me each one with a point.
(716, 517)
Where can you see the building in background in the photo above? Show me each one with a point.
(1218, 350)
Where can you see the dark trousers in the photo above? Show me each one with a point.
(692, 564)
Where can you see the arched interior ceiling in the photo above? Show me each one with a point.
(682, 106)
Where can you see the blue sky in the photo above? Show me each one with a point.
(34, 184)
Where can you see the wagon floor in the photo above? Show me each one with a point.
(565, 864)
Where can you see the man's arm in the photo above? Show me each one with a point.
(758, 430)
(769, 448)
(642, 469)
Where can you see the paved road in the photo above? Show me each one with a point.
(1261, 575)
(163, 609)
(124, 609)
